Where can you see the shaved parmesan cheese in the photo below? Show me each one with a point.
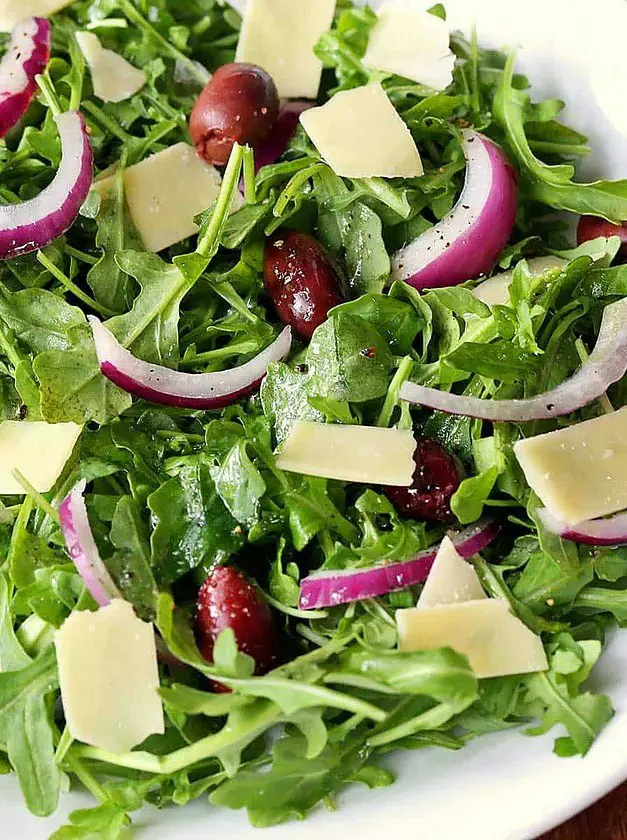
(451, 579)
(360, 135)
(579, 472)
(410, 42)
(109, 677)
(38, 450)
(13, 12)
(495, 290)
(165, 192)
(279, 35)
(113, 77)
(364, 454)
(495, 641)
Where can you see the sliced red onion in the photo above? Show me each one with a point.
(82, 547)
(606, 364)
(611, 531)
(467, 242)
(273, 147)
(185, 390)
(328, 589)
(26, 58)
(31, 225)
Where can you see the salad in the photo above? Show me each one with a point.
(313, 428)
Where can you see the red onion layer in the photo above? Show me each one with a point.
(185, 390)
(328, 589)
(610, 531)
(82, 547)
(606, 364)
(31, 225)
(467, 242)
(273, 147)
(26, 58)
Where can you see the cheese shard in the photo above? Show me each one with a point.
(13, 12)
(579, 472)
(113, 77)
(411, 42)
(109, 677)
(165, 192)
(279, 35)
(495, 290)
(38, 450)
(360, 135)
(452, 580)
(495, 641)
(363, 454)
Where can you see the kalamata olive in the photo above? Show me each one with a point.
(239, 104)
(436, 477)
(591, 227)
(300, 280)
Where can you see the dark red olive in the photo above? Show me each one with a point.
(436, 477)
(300, 280)
(591, 227)
(239, 104)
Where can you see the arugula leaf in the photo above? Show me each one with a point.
(130, 564)
(284, 399)
(468, 500)
(240, 485)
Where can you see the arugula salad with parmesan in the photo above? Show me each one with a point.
(313, 407)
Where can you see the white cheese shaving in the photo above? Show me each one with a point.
(579, 472)
(113, 77)
(364, 454)
(411, 42)
(495, 641)
(109, 677)
(38, 450)
(360, 135)
(452, 580)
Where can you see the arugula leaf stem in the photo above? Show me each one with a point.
(227, 292)
(431, 719)
(106, 122)
(167, 435)
(9, 349)
(49, 94)
(78, 68)
(295, 185)
(65, 742)
(81, 256)
(250, 195)
(133, 15)
(236, 349)
(85, 777)
(35, 495)
(391, 400)
(604, 400)
(292, 611)
(72, 287)
(19, 528)
(210, 240)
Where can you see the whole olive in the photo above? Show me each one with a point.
(300, 280)
(239, 104)
(436, 477)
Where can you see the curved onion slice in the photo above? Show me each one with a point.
(467, 242)
(328, 589)
(273, 147)
(611, 531)
(26, 58)
(188, 390)
(82, 547)
(30, 225)
(606, 364)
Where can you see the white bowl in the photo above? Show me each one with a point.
(504, 786)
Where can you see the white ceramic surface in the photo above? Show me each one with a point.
(505, 786)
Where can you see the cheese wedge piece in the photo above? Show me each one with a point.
(452, 580)
(360, 135)
(579, 472)
(363, 454)
(165, 192)
(410, 42)
(495, 641)
(495, 290)
(15, 11)
(38, 450)
(109, 677)
(279, 35)
(113, 77)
